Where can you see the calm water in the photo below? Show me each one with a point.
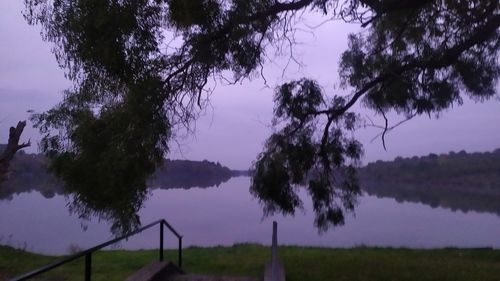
(228, 214)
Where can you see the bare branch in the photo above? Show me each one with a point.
(386, 128)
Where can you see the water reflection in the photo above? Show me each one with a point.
(466, 200)
(120, 208)
(434, 197)
(32, 176)
(229, 214)
(88, 198)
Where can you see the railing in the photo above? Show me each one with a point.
(88, 253)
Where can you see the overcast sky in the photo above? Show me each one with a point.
(233, 130)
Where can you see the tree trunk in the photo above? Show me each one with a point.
(12, 147)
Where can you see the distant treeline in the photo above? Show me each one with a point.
(187, 174)
(28, 172)
(463, 181)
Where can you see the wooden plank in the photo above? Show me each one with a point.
(149, 272)
(199, 277)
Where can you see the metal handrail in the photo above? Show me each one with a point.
(88, 253)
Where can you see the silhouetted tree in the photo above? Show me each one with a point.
(8, 151)
(140, 68)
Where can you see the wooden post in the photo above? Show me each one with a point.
(161, 241)
(274, 270)
(88, 266)
(274, 252)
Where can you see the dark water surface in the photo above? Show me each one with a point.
(228, 214)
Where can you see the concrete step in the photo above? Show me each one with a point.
(199, 277)
(155, 271)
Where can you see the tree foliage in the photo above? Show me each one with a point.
(297, 154)
(140, 70)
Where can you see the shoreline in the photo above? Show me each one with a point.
(301, 263)
(72, 249)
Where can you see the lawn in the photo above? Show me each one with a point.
(301, 263)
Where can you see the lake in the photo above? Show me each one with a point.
(228, 214)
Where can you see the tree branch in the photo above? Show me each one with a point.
(440, 59)
(388, 6)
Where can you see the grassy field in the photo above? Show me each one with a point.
(301, 263)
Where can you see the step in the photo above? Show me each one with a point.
(200, 277)
(154, 271)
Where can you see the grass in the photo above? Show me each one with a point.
(301, 263)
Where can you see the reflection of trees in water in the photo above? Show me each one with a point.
(458, 181)
(28, 172)
(436, 197)
(187, 174)
(89, 198)
(18, 186)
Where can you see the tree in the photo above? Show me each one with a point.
(11, 148)
(140, 69)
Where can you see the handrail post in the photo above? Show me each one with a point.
(161, 241)
(180, 252)
(88, 266)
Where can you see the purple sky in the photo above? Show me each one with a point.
(234, 128)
